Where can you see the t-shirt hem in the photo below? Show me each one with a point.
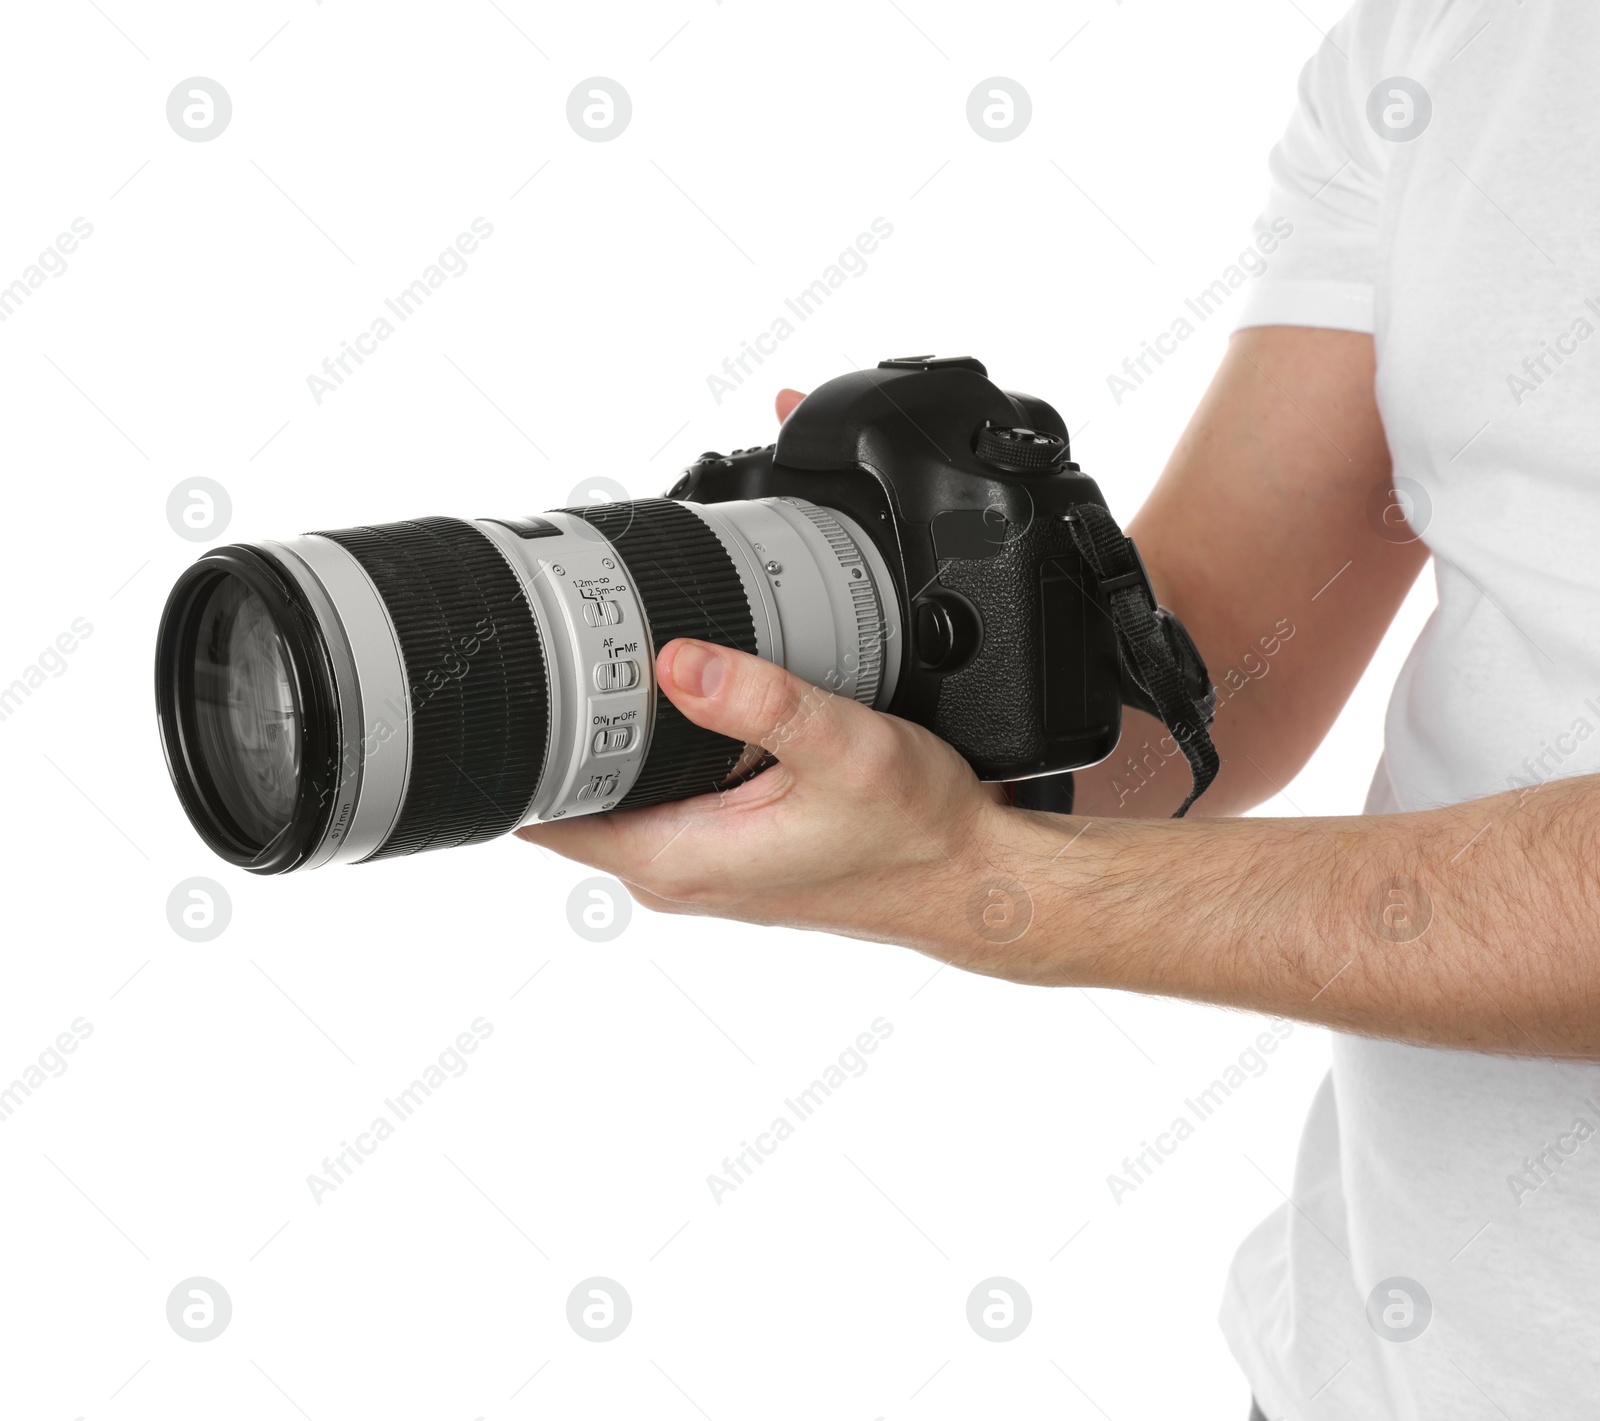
(1330, 305)
(1239, 1331)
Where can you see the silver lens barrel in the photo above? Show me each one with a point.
(370, 681)
(824, 604)
(796, 583)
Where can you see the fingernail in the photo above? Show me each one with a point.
(698, 670)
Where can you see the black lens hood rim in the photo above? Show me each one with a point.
(316, 703)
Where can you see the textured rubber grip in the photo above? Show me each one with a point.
(475, 678)
(689, 587)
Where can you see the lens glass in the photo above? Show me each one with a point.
(246, 718)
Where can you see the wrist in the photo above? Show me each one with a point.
(1020, 910)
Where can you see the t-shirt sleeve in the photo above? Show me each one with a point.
(1325, 184)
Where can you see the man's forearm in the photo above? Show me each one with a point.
(1264, 536)
(1475, 926)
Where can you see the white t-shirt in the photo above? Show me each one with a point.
(1456, 216)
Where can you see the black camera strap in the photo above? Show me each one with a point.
(1146, 636)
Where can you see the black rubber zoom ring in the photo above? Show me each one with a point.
(475, 677)
(689, 587)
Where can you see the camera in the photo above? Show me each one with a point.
(917, 540)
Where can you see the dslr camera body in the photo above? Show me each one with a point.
(1010, 652)
(916, 539)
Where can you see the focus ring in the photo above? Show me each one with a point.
(478, 698)
(689, 587)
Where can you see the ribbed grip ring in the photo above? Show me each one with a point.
(475, 678)
(863, 602)
(689, 587)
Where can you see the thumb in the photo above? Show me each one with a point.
(752, 700)
(786, 402)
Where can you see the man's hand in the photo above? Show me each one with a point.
(868, 826)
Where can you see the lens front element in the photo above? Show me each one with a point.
(247, 724)
(248, 712)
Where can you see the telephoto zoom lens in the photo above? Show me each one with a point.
(368, 692)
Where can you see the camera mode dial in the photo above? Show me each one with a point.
(1020, 450)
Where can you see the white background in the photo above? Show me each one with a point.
(619, 275)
